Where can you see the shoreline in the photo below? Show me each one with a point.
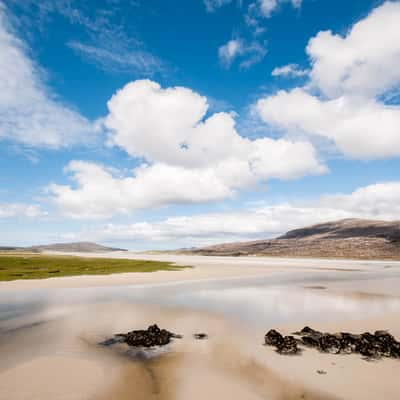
(203, 268)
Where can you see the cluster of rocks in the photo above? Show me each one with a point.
(151, 337)
(283, 344)
(379, 344)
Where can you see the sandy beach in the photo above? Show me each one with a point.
(207, 268)
(50, 330)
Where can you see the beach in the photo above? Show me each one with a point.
(50, 330)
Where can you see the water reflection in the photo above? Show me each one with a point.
(273, 300)
(48, 338)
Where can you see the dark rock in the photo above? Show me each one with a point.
(288, 346)
(309, 331)
(283, 344)
(152, 336)
(200, 336)
(330, 344)
(310, 337)
(273, 338)
(379, 344)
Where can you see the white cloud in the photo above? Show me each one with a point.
(360, 128)
(169, 126)
(104, 42)
(29, 112)
(229, 51)
(119, 58)
(12, 210)
(189, 158)
(100, 194)
(350, 72)
(379, 201)
(289, 70)
(250, 52)
(267, 7)
(365, 62)
(212, 5)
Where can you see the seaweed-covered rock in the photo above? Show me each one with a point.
(379, 344)
(273, 338)
(152, 336)
(283, 344)
(330, 344)
(288, 346)
(309, 337)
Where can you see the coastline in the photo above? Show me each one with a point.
(203, 268)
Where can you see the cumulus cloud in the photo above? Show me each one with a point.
(250, 52)
(365, 61)
(12, 210)
(350, 73)
(360, 128)
(378, 201)
(188, 157)
(29, 112)
(289, 70)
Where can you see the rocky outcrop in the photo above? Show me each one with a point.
(150, 337)
(377, 345)
(283, 344)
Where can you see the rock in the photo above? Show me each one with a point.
(200, 336)
(152, 336)
(329, 344)
(288, 346)
(379, 344)
(283, 344)
(310, 337)
(273, 338)
(309, 331)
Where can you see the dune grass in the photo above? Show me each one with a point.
(37, 266)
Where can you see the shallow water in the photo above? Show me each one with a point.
(58, 331)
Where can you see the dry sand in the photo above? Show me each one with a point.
(59, 358)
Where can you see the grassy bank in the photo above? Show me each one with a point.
(37, 266)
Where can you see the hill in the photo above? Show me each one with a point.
(349, 238)
(83, 247)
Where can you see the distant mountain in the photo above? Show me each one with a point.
(84, 247)
(349, 238)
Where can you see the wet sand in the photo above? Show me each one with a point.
(49, 334)
(40, 363)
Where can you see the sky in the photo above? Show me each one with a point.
(168, 124)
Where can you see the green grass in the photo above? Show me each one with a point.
(36, 266)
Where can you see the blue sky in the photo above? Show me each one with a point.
(153, 124)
